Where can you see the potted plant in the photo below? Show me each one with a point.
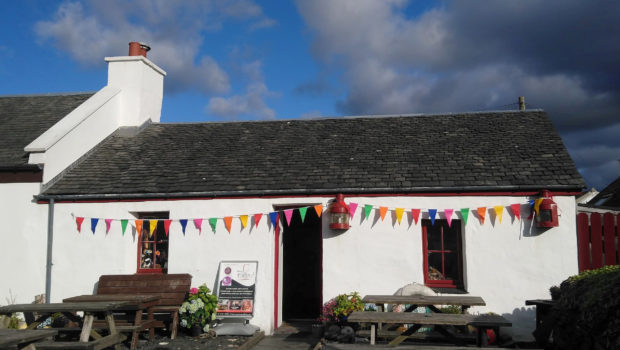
(339, 308)
(197, 312)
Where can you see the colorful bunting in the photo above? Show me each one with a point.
(167, 226)
(213, 223)
(79, 221)
(139, 227)
(152, 226)
(244, 220)
(319, 209)
(531, 203)
(257, 218)
(399, 214)
(352, 207)
(516, 210)
(537, 205)
(448, 213)
(302, 213)
(228, 222)
(481, 213)
(183, 225)
(198, 224)
(93, 224)
(367, 210)
(465, 214)
(499, 211)
(432, 213)
(108, 222)
(274, 218)
(124, 225)
(288, 213)
(415, 214)
(382, 211)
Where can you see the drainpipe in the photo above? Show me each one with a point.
(50, 240)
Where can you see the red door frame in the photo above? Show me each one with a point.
(276, 267)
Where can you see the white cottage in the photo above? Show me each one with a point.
(443, 200)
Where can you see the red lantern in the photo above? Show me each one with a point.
(339, 214)
(547, 215)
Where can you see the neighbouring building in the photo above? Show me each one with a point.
(95, 183)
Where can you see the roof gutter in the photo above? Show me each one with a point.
(27, 167)
(330, 191)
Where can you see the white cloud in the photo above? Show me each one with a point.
(249, 104)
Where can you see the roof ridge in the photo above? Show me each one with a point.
(50, 94)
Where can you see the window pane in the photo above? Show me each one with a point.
(433, 237)
(434, 266)
(146, 256)
(451, 266)
(450, 236)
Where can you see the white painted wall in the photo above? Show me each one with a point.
(23, 242)
(504, 264)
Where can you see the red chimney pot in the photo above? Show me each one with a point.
(138, 49)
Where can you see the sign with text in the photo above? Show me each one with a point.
(236, 288)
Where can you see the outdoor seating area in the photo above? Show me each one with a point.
(443, 323)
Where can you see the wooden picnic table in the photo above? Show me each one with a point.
(102, 309)
(464, 301)
(22, 338)
(134, 310)
(545, 319)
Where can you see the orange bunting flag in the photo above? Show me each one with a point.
(244, 220)
(399, 214)
(139, 227)
(499, 211)
(228, 222)
(537, 205)
(382, 212)
(152, 226)
(319, 209)
(516, 210)
(481, 212)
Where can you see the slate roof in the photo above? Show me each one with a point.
(24, 118)
(401, 154)
(609, 197)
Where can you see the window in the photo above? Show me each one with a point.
(443, 258)
(153, 249)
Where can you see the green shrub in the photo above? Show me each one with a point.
(588, 311)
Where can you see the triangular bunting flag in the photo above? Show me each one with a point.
(352, 207)
(367, 210)
(274, 218)
(448, 213)
(198, 224)
(432, 213)
(537, 205)
(244, 220)
(257, 218)
(415, 214)
(465, 214)
(152, 226)
(531, 209)
(213, 223)
(319, 209)
(499, 211)
(399, 214)
(302, 213)
(139, 227)
(108, 222)
(183, 225)
(481, 213)
(288, 213)
(516, 210)
(79, 221)
(93, 224)
(228, 222)
(124, 225)
(382, 212)
(167, 226)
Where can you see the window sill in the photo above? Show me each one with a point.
(443, 290)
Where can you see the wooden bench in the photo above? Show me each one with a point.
(417, 320)
(172, 289)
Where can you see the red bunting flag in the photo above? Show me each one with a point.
(516, 210)
(319, 209)
(481, 212)
(167, 226)
(257, 219)
(415, 214)
(228, 222)
(288, 213)
(108, 222)
(79, 221)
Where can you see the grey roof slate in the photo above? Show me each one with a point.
(451, 152)
(24, 118)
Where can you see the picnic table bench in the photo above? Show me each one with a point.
(171, 289)
(422, 300)
(24, 338)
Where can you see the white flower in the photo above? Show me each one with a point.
(183, 323)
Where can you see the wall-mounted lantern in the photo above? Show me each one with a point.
(339, 214)
(547, 215)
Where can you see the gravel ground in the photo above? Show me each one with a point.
(184, 341)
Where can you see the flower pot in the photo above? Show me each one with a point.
(196, 330)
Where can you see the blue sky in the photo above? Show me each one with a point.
(245, 59)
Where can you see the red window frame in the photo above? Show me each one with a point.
(442, 227)
(144, 237)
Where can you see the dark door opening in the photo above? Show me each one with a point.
(302, 269)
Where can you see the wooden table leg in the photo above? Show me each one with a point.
(150, 318)
(136, 332)
(404, 335)
(372, 334)
(86, 327)
(109, 318)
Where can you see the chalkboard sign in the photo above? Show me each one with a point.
(236, 288)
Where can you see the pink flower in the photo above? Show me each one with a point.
(193, 291)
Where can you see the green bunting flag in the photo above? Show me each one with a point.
(124, 225)
(302, 213)
(367, 210)
(465, 214)
(213, 223)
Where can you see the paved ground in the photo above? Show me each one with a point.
(295, 337)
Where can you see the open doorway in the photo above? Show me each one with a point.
(302, 267)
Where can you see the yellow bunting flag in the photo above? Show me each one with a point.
(152, 226)
(499, 211)
(319, 209)
(228, 222)
(399, 214)
(139, 227)
(481, 212)
(383, 211)
(244, 220)
(537, 205)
